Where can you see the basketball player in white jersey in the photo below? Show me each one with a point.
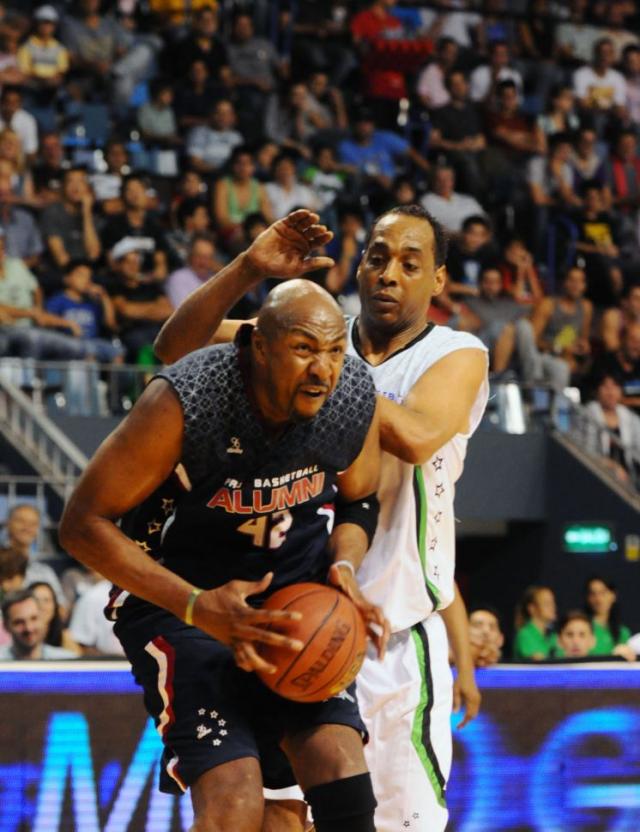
(434, 388)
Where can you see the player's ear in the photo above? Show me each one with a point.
(259, 345)
(439, 279)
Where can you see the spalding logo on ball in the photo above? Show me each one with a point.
(334, 637)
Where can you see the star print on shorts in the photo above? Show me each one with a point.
(211, 726)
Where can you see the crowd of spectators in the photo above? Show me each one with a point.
(143, 145)
(47, 615)
(130, 132)
(593, 632)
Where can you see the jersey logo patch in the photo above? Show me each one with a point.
(235, 447)
(266, 500)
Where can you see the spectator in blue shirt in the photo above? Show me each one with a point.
(88, 304)
(377, 154)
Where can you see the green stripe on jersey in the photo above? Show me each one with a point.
(420, 731)
(421, 517)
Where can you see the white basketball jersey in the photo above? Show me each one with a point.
(409, 569)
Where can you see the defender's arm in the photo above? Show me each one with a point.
(283, 250)
(436, 409)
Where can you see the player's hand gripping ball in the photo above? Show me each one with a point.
(334, 637)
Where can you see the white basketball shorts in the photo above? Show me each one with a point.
(406, 701)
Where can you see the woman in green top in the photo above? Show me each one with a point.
(601, 605)
(237, 196)
(535, 640)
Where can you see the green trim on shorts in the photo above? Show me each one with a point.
(420, 493)
(420, 731)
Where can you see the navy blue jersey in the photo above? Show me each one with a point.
(258, 502)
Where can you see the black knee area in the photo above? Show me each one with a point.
(345, 805)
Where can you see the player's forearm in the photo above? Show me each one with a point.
(99, 544)
(457, 624)
(196, 319)
(407, 434)
(348, 542)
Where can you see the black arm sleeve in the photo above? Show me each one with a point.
(363, 513)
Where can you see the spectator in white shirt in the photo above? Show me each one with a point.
(286, 192)
(22, 531)
(631, 68)
(448, 207)
(613, 431)
(459, 25)
(20, 121)
(208, 148)
(431, 87)
(23, 620)
(574, 39)
(485, 78)
(601, 90)
(89, 628)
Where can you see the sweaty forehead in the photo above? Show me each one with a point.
(403, 232)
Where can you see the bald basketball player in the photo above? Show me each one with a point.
(270, 431)
(432, 385)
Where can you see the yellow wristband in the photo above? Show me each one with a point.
(188, 615)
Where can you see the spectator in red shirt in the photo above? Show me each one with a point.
(624, 175)
(513, 138)
(372, 24)
(382, 65)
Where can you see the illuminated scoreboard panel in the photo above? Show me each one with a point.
(554, 750)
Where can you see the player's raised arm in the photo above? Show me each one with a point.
(129, 465)
(436, 409)
(355, 524)
(284, 250)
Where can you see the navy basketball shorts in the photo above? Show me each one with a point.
(210, 712)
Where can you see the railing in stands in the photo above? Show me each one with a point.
(616, 460)
(37, 438)
(77, 388)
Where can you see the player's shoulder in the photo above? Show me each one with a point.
(202, 360)
(355, 375)
(203, 372)
(445, 340)
(355, 391)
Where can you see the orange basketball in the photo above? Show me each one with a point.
(334, 637)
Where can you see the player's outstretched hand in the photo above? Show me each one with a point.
(466, 695)
(224, 614)
(284, 249)
(378, 627)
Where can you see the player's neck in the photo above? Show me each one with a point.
(258, 389)
(376, 345)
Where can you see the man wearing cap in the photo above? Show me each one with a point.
(140, 303)
(42, 58)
